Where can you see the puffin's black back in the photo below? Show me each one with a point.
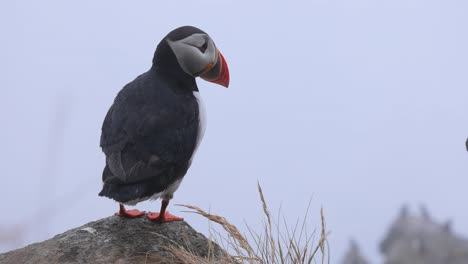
(150, 132)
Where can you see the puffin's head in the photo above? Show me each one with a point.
(195, 53)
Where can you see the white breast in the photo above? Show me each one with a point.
(201, 120)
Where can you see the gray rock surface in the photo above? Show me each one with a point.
(116, 240)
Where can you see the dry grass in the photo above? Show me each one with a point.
(274, 245)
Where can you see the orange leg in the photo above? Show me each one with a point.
(129, 213)
(163, 216)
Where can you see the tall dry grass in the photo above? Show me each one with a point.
(275, 244)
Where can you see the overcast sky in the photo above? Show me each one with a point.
(360, 104)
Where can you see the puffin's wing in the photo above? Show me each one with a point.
(144, 134)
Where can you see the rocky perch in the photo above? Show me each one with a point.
(117, 240)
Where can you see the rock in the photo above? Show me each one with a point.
(117, 240)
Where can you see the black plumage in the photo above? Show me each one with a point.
(150, 132)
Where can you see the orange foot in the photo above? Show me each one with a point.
(167, 217)
(129, 213)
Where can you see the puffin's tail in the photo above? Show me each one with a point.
(126, 193)
(123, 192)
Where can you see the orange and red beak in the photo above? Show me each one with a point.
(218, 73)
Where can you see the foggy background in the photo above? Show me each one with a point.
(360, 105)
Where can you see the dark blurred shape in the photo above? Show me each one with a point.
(353, 255)
(424, 212)
(418, 239)
(404, 211)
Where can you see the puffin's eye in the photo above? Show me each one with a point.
(198, 41)
(203, 47)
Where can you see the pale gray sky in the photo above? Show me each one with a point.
(360, 104)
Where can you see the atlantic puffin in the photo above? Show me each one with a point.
(156, 123)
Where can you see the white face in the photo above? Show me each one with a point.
(196, 53)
